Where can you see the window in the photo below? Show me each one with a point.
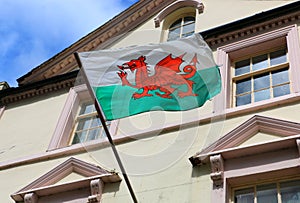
(265, 68)
(88, 126)
(261, 77)
(182, 27)
(276, 192)
(78, 122)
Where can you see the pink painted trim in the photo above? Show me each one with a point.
(122, 138)
(222, 101)
(252, 126)
(243, 132)
(176, 5)
(44, 184)
(2, 111)
(298, 145)
(294, 54)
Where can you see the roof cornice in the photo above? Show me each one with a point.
(280, 16)
(100, 38)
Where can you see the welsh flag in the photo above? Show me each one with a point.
(172, 76)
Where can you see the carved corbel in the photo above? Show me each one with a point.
(30, 198)
(298, 145)
(217, 169)
(96, 191)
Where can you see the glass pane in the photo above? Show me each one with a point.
(84, 123)
(260, 62)
(95, 122)
(278, 57)
(102, 133)
(242, 100)
(261, 81)
(87, 108)
(242, 67)
(281, 90)
(174, 34)
(280, 76)
(79, 137)
(76, 139)
(267, 193)
(262, 95)
(244, 196)
(187, 34)
(188, 28)
(290, 191)
(188, 19)
(177, 23)
(243, 86)
(93, 134)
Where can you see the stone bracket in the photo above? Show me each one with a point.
(217, 169)
(96, 191)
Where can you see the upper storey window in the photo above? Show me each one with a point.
(261, 77)
(88, 126)
(182, 27)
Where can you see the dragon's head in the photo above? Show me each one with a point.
(134, 64)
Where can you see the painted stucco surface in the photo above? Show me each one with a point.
(157, 164)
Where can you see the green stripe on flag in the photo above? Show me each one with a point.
(117, 102)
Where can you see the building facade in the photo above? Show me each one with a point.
(241, 146)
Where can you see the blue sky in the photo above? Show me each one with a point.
(32, 31)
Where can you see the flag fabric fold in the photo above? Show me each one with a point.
(171, 76)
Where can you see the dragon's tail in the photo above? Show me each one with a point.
(190, 69)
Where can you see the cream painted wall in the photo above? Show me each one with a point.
(216, 13)
(27, 128)
(30, 125)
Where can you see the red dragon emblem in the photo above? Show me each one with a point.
(166, 79)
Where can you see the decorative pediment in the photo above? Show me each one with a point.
(254, 126)
(92, 176)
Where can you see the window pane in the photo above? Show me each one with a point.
(290, 191)
(267, 193)
(261, 81)
(76, 139)
(242, 67)
(187, 34)
(260, 62)
(188, 19)
(278, 57)
(174, 34)
(79, 137)
(243, 86)
(242, 100)
(93, 134)
(188, 28)
(177, 23)
(262, 95)
(87, 108)
(244, 196)
(95, 122)
(281, 90)
(84, 123)
(280, 76)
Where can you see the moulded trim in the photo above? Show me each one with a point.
(176, 5)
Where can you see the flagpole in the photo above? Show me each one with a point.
(106, 130)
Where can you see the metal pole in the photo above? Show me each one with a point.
(102, 119)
